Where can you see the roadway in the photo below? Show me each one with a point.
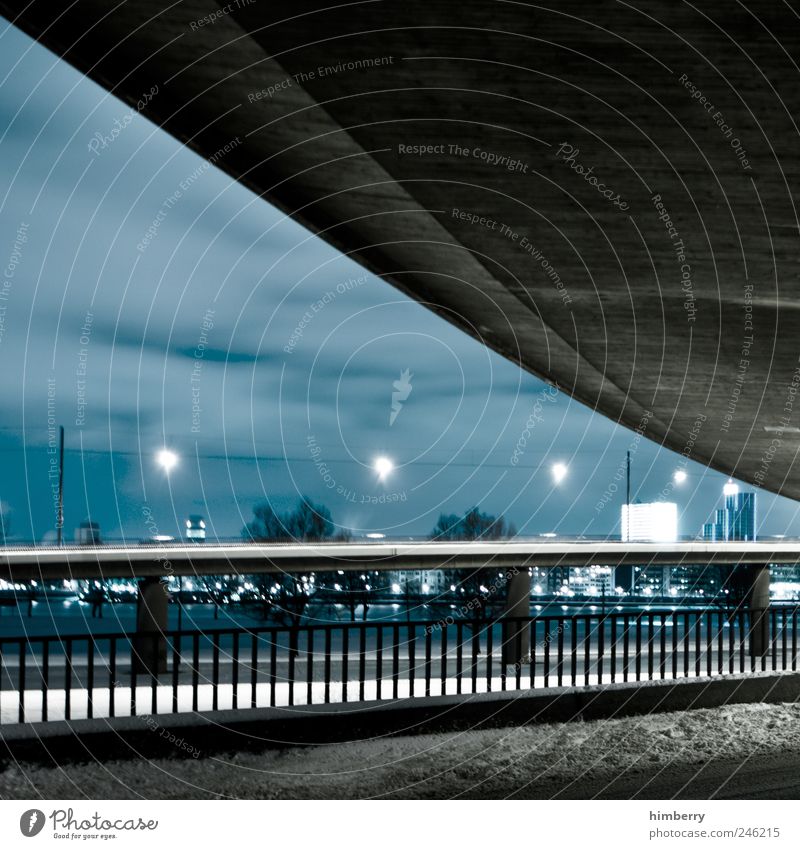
(139, 561)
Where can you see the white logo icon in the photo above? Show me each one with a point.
(402, 389)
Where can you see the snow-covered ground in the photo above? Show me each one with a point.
(633, 755)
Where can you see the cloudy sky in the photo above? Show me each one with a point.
(149, 301)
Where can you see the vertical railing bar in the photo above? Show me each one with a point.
(626, 644)
(215, 671)
(601, 648)
(613, 621)
(459, 655)
(235, 672)
(412, 658)
(546, 641)
(68, 679)
(489, 651)
(254, 669)
(327, 665)
(573, 640)
(45, 676)
(310, 639)
(698, 641)
(293, 634)
(154, 674)
(587, 648)
(362, 660)
(112, 678)
(90, 646)
(674, 645)
(195, 670)
(176, 666)
(639, 647)
(395, 660)
(443, 646)
(379, 663)
(345, 658)
(21, 679)
(273, 667)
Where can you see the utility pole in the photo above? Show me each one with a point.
(628, 498)
(60, 527)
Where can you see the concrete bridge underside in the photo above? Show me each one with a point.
(659, 286)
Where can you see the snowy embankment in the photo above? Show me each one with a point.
(576, 759)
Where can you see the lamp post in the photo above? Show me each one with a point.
(168, 460)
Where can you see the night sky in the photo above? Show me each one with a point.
(149, 301)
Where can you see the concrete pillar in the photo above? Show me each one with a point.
(150, 645)
(516, 635)
(758, 596)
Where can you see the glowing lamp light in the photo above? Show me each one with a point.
(559, 471)
(383, 466)
(167, 459)
(679, 476)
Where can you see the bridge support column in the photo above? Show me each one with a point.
(150, 644)
(758, 596)
(516, 635)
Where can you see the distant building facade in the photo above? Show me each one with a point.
(653, 522)
(736, 521)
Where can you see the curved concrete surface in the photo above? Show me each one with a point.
(603, 192)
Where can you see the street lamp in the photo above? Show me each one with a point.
(167, 460)
(383, 466)
(559, 471)
(730, 488)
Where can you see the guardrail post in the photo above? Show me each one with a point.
(150, 644)
(516, 638)
(759, 610)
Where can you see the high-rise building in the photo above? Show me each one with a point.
(736, 520)
(653, 522)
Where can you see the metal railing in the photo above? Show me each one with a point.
(106, 675)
